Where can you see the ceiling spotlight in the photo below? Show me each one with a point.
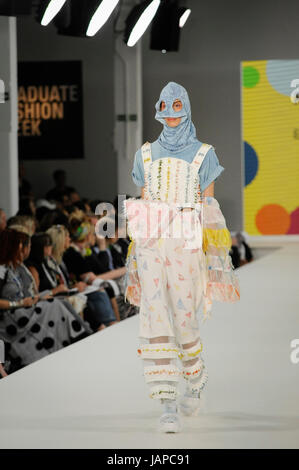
(15, 7)
(165, 30)
(74, 18)
(50, 9)
(185, 13)
(139, 20)
(100, 16)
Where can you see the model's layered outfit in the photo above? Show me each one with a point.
(178, 261)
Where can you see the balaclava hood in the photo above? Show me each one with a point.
(183, 135)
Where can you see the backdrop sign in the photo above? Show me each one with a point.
(50, 110)
(270, 104)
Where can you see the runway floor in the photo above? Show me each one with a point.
(92, 394)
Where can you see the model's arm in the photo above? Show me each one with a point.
(2, 371)
(113, 274)
(209, 191)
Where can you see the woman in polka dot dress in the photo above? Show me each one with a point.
(30, 328)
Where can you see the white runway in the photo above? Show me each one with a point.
(92, 394)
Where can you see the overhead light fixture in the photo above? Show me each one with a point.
(15, 7)
(185, 13)
(165, 30)
(139, 20)
(74, 18)
(49, 9)
(167, 24)
(84, 18)
(100, 16)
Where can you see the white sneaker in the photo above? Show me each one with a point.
(190, 406)
(192, 401)
(169, 422)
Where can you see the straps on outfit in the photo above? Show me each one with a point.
(200, 155)
(196, 162)
(147, 159)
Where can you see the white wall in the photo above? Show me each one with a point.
(8, 117)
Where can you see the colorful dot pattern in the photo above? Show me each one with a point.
(271, 147)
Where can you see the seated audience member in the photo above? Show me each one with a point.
(93, 205)
(60, 243)
(74, 196)
(43, 207)
(46, 278)
(124, 239)
(63, 201)
(110, 246)
(2, 220)
(25, 188)
(37, 263)
(240, 251)
(96, 209)
(80, 256)
(60, 238)
(27, 221)
(30, 327)
(51, 218)
(60, 187)
(245, 250)
(81, 263)
(83, 206)
(112, 255)
(27, 206)
(234, 253)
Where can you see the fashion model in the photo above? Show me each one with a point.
(178, 260)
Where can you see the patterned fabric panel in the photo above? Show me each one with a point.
(172, 180)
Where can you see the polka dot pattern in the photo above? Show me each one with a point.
(23, 321)
(272, 219)
(270, 136)
(35, 328)
(11, 330)
(251, 76)
(251, 163)
(76, 325)
(294, 225)
(48, 343)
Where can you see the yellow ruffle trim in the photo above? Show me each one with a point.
(130, 247)
(216, 237)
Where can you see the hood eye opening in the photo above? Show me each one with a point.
(162, 105)
(177, 105)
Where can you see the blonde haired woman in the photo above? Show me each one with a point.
(60, 237)
(60, 242)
